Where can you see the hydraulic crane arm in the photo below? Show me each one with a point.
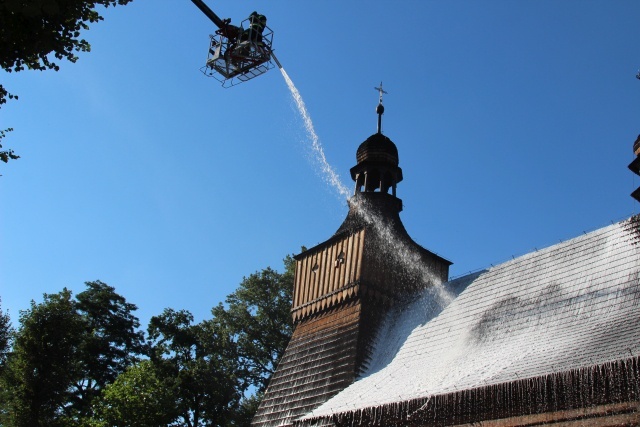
(238, 53)
(207, 11)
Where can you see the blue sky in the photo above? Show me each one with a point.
(514, 123)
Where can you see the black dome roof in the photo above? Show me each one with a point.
(377, 148)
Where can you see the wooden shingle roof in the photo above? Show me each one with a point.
(570, 308)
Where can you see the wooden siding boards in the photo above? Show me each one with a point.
(358, 244)
(306, 270)
(323, 276)
(330, 271)
(332, 282)
(337, 307)
(315, 276)
(318, 362)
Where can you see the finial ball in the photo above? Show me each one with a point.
(380, 109)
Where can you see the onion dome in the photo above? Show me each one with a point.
(378, 148)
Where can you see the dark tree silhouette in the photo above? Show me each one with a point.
(35, 34)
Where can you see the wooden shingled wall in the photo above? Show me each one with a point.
(328, 275)
(320, 361)
(343, 288)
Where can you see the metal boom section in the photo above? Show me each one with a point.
(238, 53)
(210, 14)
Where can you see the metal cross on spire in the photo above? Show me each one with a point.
(381, 91)
(380, 107)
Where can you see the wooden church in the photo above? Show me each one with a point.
(383, 337)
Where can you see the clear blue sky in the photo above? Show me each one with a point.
(514, 123)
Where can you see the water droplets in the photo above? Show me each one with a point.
(401, 252)
(328, 172)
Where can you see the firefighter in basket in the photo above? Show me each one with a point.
(253, 33)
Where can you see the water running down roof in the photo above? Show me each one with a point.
(570, 306)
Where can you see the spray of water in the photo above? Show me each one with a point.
(400, 251)
(328, 172)
(404, 254)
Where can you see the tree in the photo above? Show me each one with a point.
(258, 316)
(244, 414)
(34, 31)
(110, 343)
(5, 336)
(75, 361)
(6, 155)
(43, 366)
(137, 398)
(200, 364)
(6, 333)
(65, 352)
(210, 366)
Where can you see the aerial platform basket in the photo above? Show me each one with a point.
(233, 60)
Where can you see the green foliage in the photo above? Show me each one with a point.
(6, 155)
(5, 336)
(110, 343)
(199, 363)
(75, 362)
(34, 33)
(33, 30)
(65, 352)
(137, 398)
(257, 316)
(43, 364)
(244, 414)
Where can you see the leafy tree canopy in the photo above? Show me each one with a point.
(137, 398)
(42, 364)
(65, 352)
(111, 342)
(5, 336)
(76, 361)
(36, 33)
(257, 316)
(32, 30)
(200, 363)
(6, 155)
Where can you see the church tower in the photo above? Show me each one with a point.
(344, 287)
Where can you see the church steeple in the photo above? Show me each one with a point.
(344, 286)
(377, 157)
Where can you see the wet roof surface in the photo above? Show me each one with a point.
(575, 304)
